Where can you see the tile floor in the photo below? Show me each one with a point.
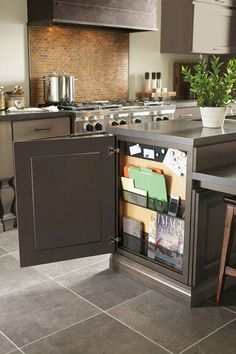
(81, 307)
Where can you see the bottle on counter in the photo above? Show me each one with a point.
(2, 99)
(147, 83)
(154, 82)
(159, 83)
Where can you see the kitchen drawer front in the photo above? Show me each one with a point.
(188, 112)
(41, 128)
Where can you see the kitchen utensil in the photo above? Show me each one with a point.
(59, 87)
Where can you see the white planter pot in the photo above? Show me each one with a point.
(213, 117)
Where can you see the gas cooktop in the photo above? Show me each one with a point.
(108, 105)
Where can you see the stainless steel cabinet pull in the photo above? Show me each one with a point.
(41, 129)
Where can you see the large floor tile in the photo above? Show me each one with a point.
(36, 311)
(59, 268)
(13, 277)
(102, 286)
(5, 345)
(101, 335)
(169, 323)
(9, 240)
(221, 342)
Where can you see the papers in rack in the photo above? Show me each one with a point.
(128, 185)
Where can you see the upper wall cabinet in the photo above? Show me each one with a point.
(200, 26)
(138, 15)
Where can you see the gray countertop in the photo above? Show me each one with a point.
(222, 178)
(178, 131)
(5, 116)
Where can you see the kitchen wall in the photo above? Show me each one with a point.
(13, 41)
(98, 59)
(145, 56)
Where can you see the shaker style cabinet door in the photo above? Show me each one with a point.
(66, 192)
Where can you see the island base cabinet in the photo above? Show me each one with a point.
(66, 195)
(210, 210)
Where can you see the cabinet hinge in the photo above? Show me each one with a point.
(112, 150)
(113, 239)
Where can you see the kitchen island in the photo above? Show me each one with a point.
(210, 175)
(71, 201)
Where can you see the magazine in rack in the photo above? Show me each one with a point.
(166, 240)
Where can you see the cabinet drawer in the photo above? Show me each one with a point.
(188, 112)
(41, 128)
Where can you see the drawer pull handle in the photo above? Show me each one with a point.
(42, 129)
(185, 115)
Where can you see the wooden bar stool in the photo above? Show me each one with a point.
(229, 230)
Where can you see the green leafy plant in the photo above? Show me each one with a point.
(212, 86)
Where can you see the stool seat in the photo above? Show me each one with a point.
(229, 230)
(230, 200)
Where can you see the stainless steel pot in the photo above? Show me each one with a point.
(51, 89)
(67, 89)
(59, 88)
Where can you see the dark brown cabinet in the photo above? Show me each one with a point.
(129, 15)
(200, 26)
(66, 195)
(210, 214)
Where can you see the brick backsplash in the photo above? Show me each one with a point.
(98, 59)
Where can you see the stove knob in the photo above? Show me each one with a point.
(88, 127)
(165, 118)
(113, 123)
(156, 118)
(136, 120)
(98, 126)
(122, 122)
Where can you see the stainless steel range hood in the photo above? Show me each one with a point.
(128, 15)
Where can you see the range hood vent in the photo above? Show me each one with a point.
(126, 15)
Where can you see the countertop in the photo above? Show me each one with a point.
(9, 116)
(179, 132)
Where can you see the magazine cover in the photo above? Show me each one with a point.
(169, 246)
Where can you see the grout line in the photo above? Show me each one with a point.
(74, 270)
(207, 336)
(23, 287)
(108, 314)
(5, 254)
(61, 330)
(16, 347)
(141, 334)
(223, 307)
(127, 301)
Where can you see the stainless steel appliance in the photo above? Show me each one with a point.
(95, 117)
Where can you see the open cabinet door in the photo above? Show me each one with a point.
(66, 191)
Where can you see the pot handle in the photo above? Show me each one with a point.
(59, 69)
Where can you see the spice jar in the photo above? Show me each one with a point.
(2, 99)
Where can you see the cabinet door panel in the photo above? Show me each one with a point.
(210, 215)
(214, 29)
(65, 198)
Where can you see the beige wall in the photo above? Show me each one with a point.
(144, 51)
(13, 41)
(145, 56)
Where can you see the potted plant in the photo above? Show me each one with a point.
(213, 88)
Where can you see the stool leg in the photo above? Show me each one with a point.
(225, 253)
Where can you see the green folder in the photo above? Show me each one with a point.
(153, 182)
